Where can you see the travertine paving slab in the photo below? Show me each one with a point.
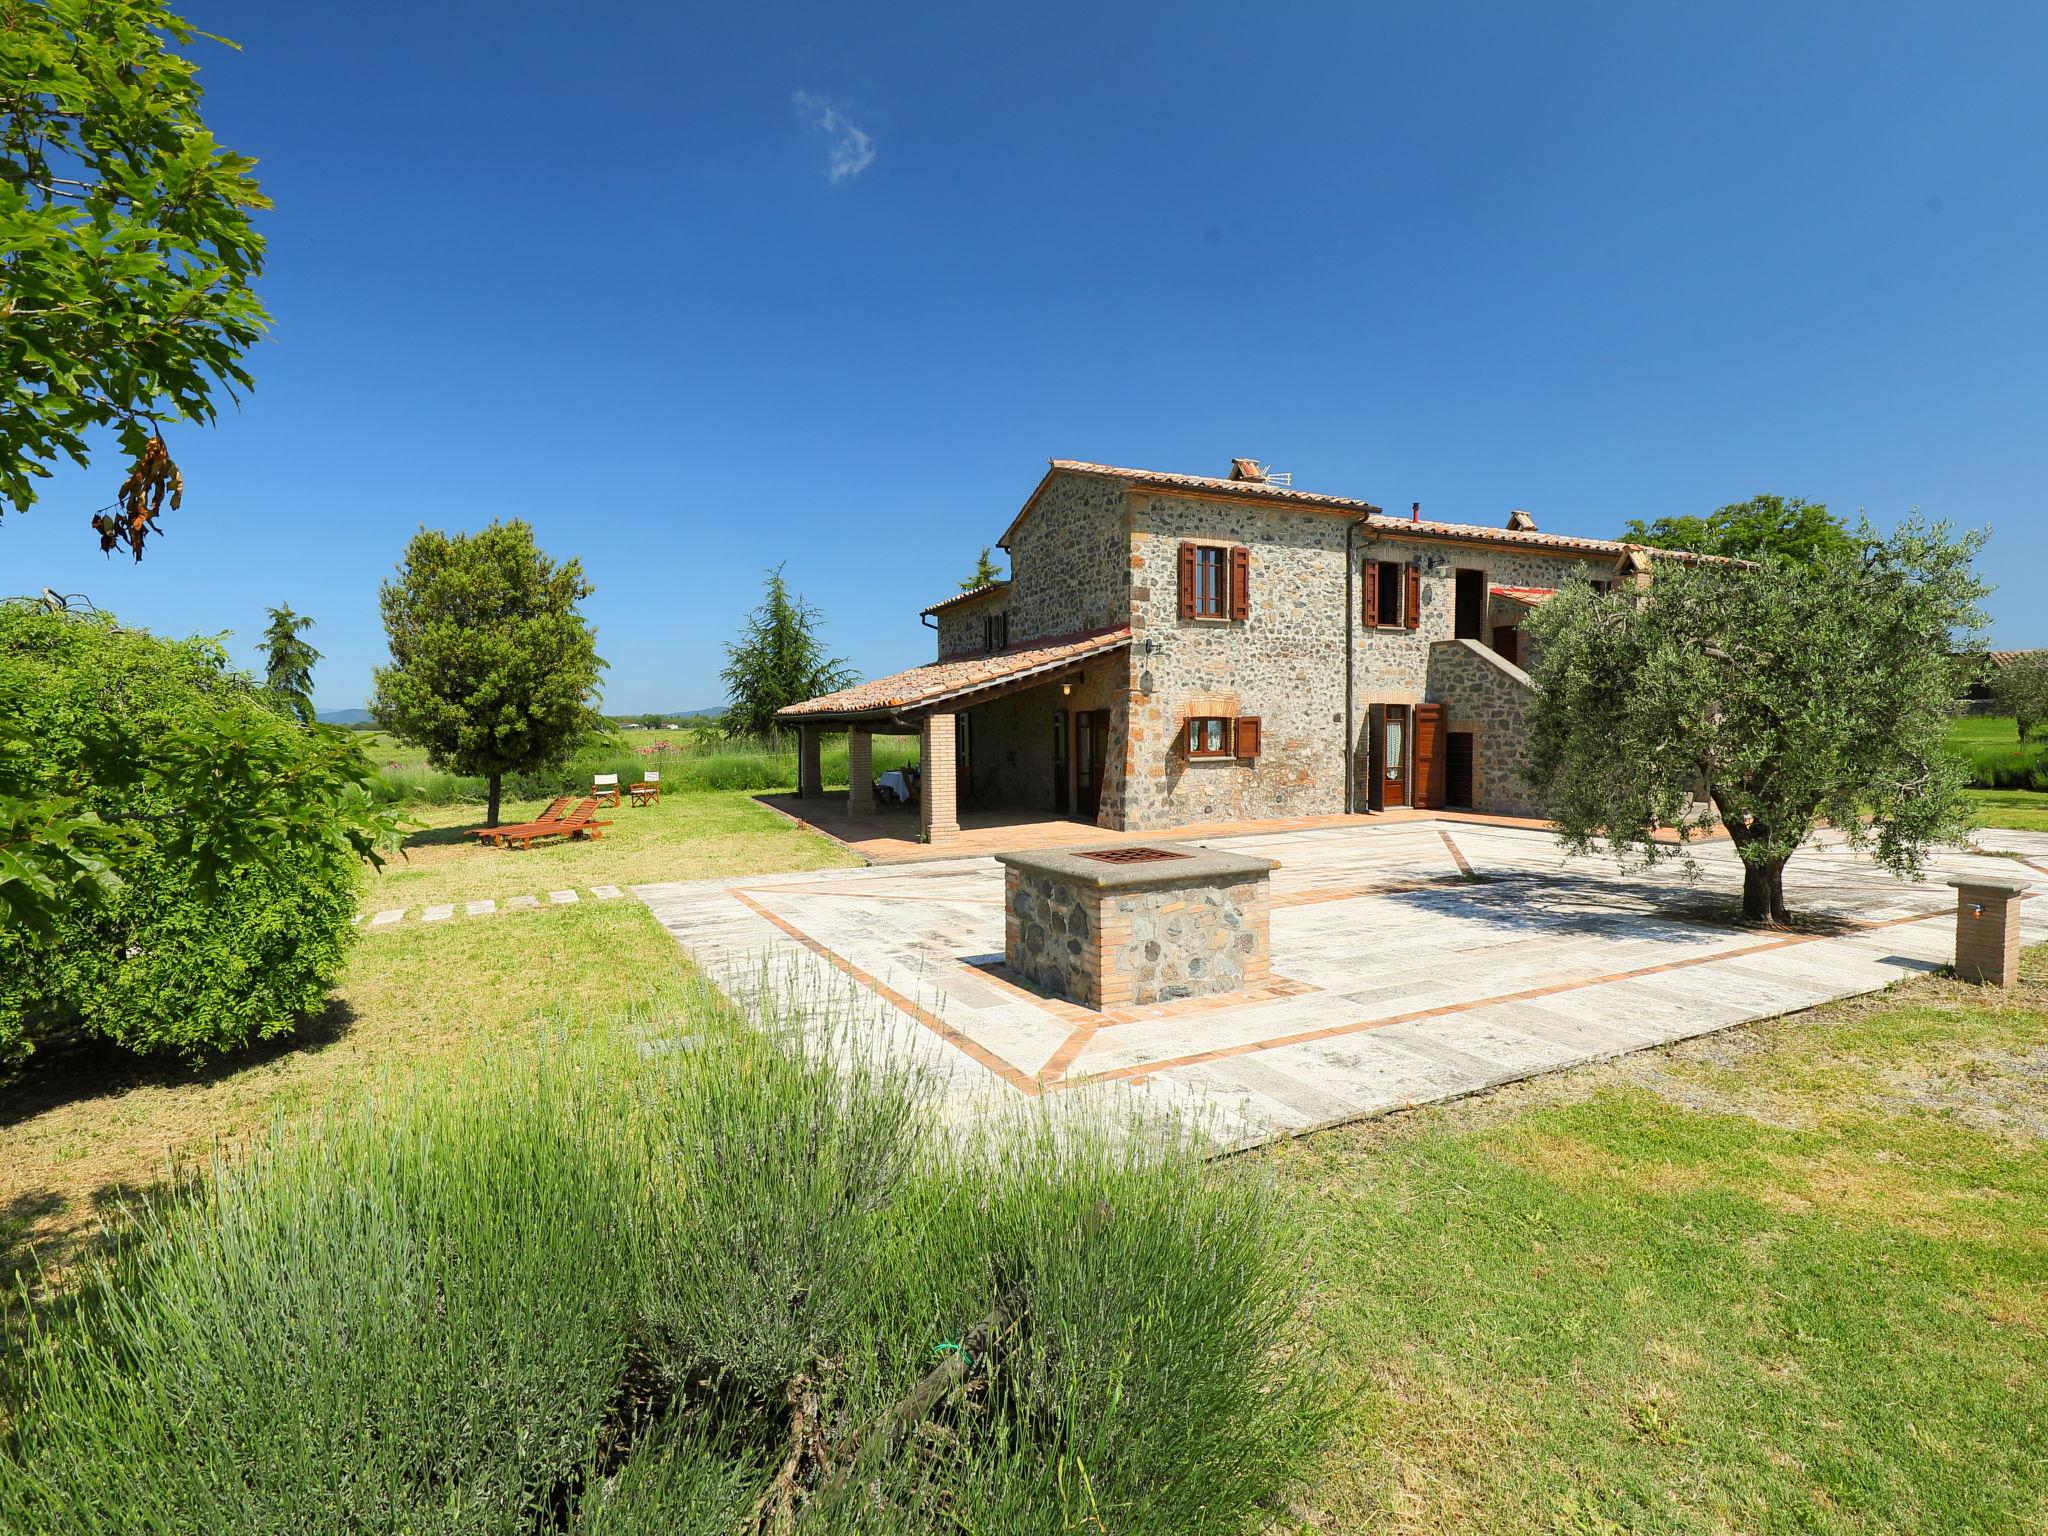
(386, 918)
(1420, 960)
(482, 908)
(436, 914)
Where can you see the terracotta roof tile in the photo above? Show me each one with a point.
(923, 687)
(1470, 533)
(957, 598)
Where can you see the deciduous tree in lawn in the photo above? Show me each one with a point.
(1788, 694)
(493, 670)
(129, 250)
(778, 661)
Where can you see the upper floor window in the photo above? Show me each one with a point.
(1215, 581)
(995, 631)
(1392, 594)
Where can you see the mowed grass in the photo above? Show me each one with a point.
(1792, 1278)
(2022, 810)
(86, 1129)
(682, 837)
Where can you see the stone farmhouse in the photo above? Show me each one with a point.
(1173, 648)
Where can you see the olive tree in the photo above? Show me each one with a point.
(493, 669)
(1766, 699)
(2020, 689)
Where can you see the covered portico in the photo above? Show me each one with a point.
(930, 702)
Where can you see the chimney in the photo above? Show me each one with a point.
(1247, 469)
(1521, 522)
(1414, 511)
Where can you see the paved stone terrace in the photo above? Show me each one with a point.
(890, 835)
(1412, 961)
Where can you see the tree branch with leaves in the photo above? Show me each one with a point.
(128, 252)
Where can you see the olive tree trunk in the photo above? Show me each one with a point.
(1763, 891)
(491, 811)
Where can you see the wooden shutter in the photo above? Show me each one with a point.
(1247, 735)
(1240, 584)
(1187, 581)
(1429, 755)
(1412, 609)
(1370, 576)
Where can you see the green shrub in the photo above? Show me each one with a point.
(676, 1289)
(237, 839)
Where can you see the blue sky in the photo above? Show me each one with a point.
(699, 290)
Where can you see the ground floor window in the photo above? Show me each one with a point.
(1208, 736)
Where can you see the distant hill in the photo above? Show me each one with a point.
(343, 717)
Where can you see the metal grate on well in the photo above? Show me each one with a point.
(1130, 855)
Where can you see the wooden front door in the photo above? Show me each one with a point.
(1394, 756)
(1091, 748)
(1429, 755)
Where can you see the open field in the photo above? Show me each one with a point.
(688, 761)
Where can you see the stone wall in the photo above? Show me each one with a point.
(1185, 941)
(1284, 662)
(1490, 697)
(1068, 559)
(962, 630)
(1152, 942)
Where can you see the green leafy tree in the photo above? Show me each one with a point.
(192, 859)
(1756, 529)
(1784, 695)
(288, 663)
(127, 250)
(778, 661)
(985, 572)
(493, 668)
(2020, 689)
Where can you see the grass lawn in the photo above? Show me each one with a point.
(87, 1128)
(1792, 1277)
(2023, 810)
(683, 837)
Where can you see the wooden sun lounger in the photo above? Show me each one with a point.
(576, 824)
(552, 813)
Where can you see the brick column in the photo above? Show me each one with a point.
(860, 771)
(1988, 929)
(810, 781)
(938, 811)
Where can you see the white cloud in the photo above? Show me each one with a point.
(851, 151)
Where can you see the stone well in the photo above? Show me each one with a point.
(1138, 923)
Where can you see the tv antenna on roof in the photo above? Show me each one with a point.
(1280, 477)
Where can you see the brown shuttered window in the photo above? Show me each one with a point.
(1240, 583)
(1412, 614)
(1369, 580)
(1247, 735)
(1187, 581)
(1206, 736)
